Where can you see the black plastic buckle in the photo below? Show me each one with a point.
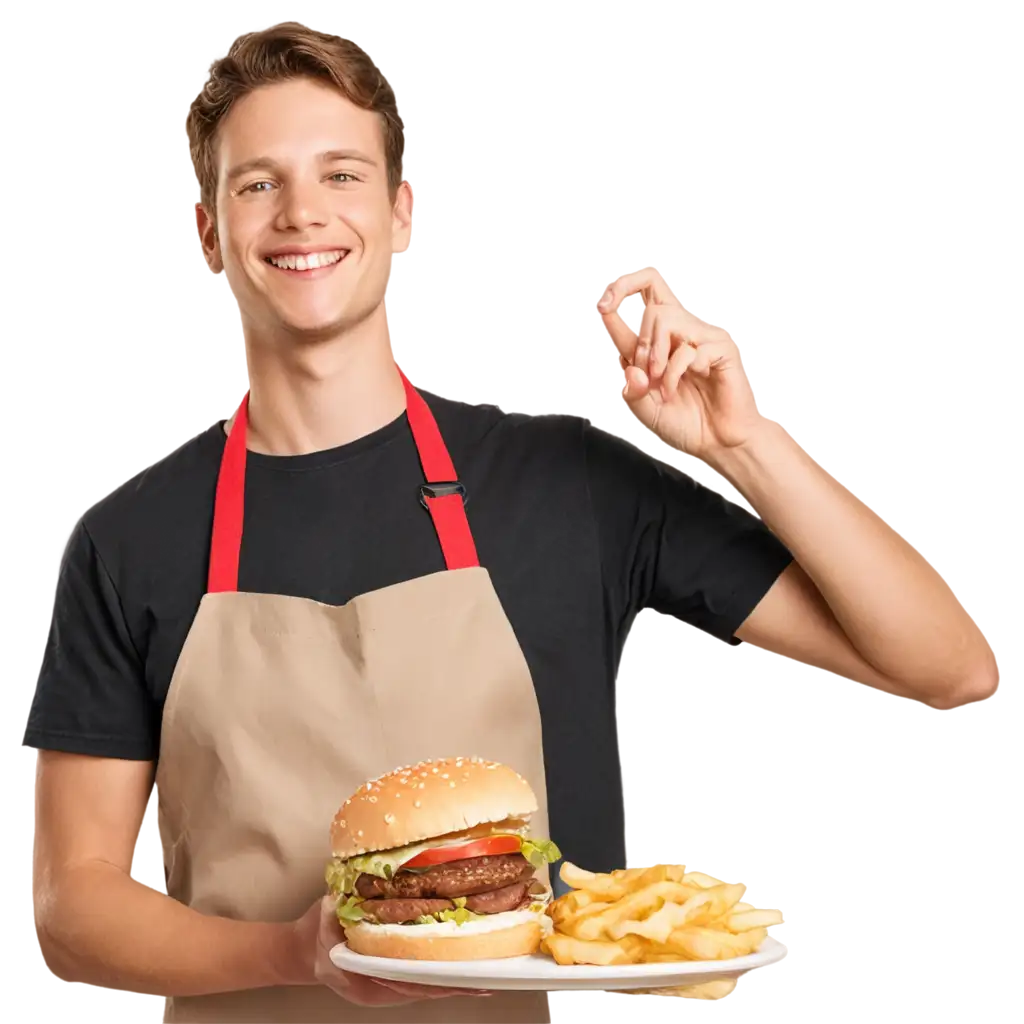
(441, 490)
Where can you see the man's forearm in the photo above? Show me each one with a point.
(104, 928)
(892, 605)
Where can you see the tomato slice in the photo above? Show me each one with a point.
(489, 846)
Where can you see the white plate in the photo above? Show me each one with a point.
(538, 971)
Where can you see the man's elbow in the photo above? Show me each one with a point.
(980, 684)
(46, 928)
(51, 937)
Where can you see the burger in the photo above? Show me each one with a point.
(436, 861)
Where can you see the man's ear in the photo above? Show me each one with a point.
(208, 239)
(401, 218)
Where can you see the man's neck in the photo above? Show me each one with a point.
(317, 396)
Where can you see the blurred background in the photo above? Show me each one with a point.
(840, 185)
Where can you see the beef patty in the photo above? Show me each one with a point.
(467, 877)
(510, 897)
(385, 911)
(400, 911)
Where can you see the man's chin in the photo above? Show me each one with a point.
(310, 328)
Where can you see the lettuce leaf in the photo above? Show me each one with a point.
(460, 915)
(540, 852)
(341, 875)
(350, 912)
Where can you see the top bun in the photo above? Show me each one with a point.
(426, 800)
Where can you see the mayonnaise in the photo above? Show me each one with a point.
(489, 923)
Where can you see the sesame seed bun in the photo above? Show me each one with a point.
(428, 800)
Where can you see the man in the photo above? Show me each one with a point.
(348, 575)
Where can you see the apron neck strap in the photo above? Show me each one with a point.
(442, 494)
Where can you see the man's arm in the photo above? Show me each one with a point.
(859, 600)
(98, 925)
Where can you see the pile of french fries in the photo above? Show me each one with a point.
(651, 915)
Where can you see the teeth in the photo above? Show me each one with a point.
(308, 262)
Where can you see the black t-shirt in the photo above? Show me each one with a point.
(578, 529)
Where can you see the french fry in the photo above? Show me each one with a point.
(567, 907)
(715, 944)
(718, 988)
(661, 914)
(621, 882)
(567, 950)
(657, 927)
(605, 887)
(748, 919)
(636, 905)
(700, 880)
(708, 905)
(704, 906)
(569, 922)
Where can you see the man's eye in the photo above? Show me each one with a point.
(344, 174)
(253, 188)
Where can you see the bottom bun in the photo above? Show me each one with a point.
(374, 940)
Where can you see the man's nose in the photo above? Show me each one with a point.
(303, 205)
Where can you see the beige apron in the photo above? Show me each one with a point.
(281, 707)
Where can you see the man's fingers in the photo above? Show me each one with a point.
(635, 395)
(678, 364)
(330, 932)
(624, 338)
(415, 991)
(647, 281)
(661, 349)
(366, 991)
(369, 992)
(645, 341)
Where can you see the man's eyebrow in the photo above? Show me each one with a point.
(347, 154)
(257, 164)
(261, 163)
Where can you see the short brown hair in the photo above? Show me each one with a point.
(283, 53)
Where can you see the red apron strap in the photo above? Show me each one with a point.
(229, 507)
(444, 500)
(448, 510)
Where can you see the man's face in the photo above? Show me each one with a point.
(300, 171)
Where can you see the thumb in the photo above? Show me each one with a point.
(330, 930)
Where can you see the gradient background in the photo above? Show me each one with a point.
(840, 186)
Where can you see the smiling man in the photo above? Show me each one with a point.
(297, 598)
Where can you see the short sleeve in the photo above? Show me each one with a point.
(671, 544)
(91, 696)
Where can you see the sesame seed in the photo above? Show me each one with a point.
(417, 803)
(423, 785)
(389, 818)
(397, 795)
(434, 770)
(444, 775)
(359, 833)
(372, 799)
(342, 823)
(452, 784)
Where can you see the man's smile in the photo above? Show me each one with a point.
(305, 263)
